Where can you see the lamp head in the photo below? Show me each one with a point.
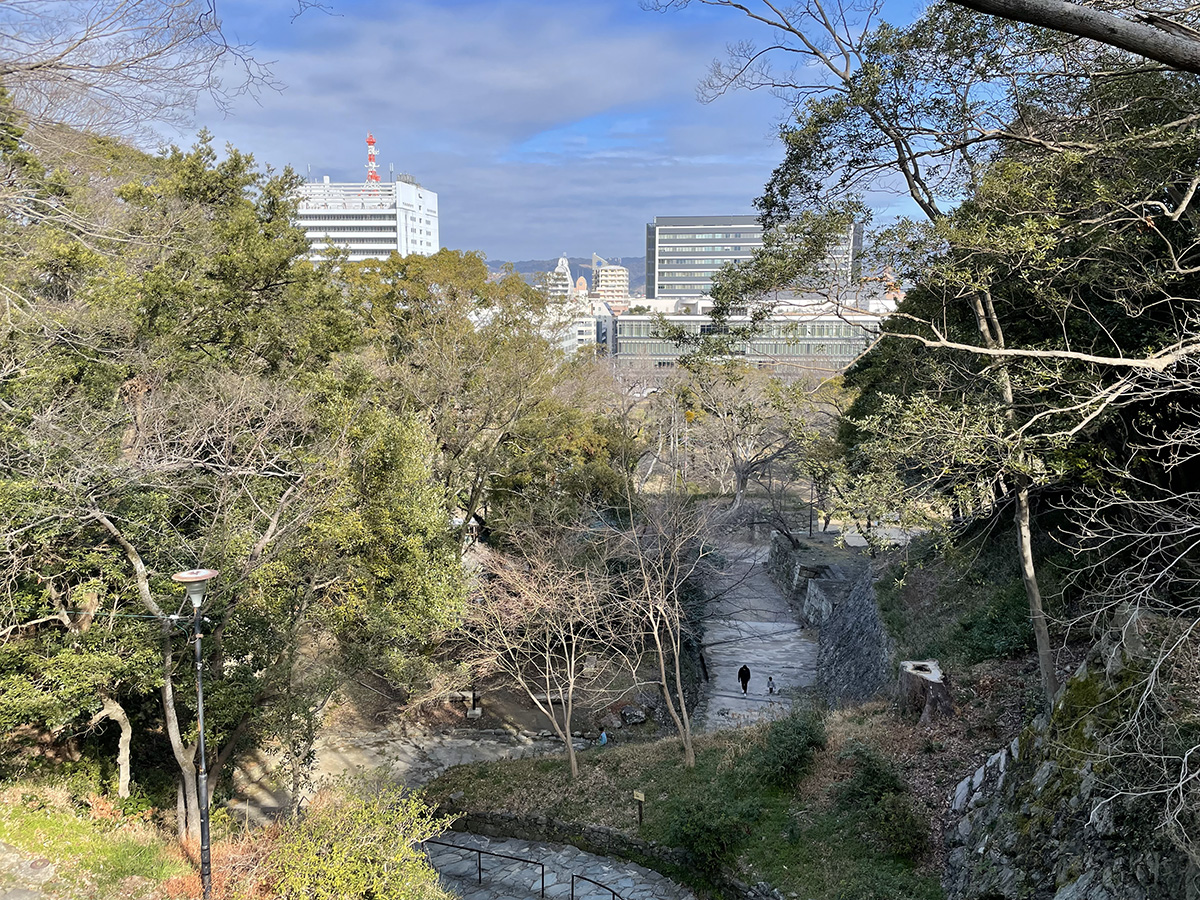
(196, 581)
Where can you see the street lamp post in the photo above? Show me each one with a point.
(196, 581)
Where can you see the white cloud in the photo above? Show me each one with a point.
(542, 126)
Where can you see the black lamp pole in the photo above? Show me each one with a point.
(196, 581)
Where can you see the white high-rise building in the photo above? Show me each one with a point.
(369, 220)
(609, 281)
(559, 284)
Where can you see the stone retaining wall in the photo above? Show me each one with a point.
(600, 841)
(1039, 821)
(855, 655)
(856, 658)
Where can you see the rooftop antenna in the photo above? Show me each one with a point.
(372, 175)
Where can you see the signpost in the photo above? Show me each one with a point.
(641, 801)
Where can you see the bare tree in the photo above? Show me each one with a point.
(663, 553)
(118, 65)
(554, 630)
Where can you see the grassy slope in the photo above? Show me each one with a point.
(798, 841)
(98, 853)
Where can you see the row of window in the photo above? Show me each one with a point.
(840, 349)
(710, 248)
(713, 236)
(697, 261)
(698, 287)
(354, 242)
(352, 229)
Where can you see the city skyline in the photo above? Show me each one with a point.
(541, 126)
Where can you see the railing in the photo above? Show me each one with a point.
(605, 887)
(479, 863)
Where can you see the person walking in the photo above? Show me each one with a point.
(744, 677)
(770, 685)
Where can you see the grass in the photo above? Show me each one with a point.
(98, 853)
(797, 840)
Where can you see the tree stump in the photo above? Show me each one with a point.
(923, 687)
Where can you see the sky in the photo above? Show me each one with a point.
(544, 127)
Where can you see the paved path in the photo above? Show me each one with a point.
(411, 754)
(505, 879)
(750, 623)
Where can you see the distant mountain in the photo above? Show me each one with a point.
(580, 265)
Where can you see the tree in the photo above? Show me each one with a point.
(659, 559)
(463, 352)
(193, 397)
(553, 628)
(113, 66)
(742, 413)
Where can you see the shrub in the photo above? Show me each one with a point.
(877, 797)
(787, 749)
(358, 841)
(707, 831)
(873, 778)
(1000, 628)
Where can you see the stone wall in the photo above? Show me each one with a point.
(855, 655)
(1039, 821)
(856, 658)
(812, 588)
(600, 841)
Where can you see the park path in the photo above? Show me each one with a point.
(750, 623)
(505, 879)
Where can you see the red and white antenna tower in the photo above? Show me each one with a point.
(372, 175)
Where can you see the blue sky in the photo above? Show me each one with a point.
(543, 126)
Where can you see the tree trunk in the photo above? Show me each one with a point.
(185, 756)
(111, 709)
(1028, 575)
(117, 713)
(685, 737)
(924, 687)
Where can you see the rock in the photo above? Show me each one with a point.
(1078, 889)
(631, 715)
(961, 794)
(1042, 775)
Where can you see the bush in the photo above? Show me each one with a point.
(1000, 629)
(874, 777)
(708, 831)
(358, 841)
(787, 749)
(877, 797)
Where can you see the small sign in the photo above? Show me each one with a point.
(639, 796)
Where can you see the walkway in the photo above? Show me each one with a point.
(505, 879)
(750, 623)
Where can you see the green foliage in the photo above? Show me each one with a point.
(787, 748)
(358, 841)
(962, 601)
(1000, 628)
(708, 830)
(877, 796)
(105, 851)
